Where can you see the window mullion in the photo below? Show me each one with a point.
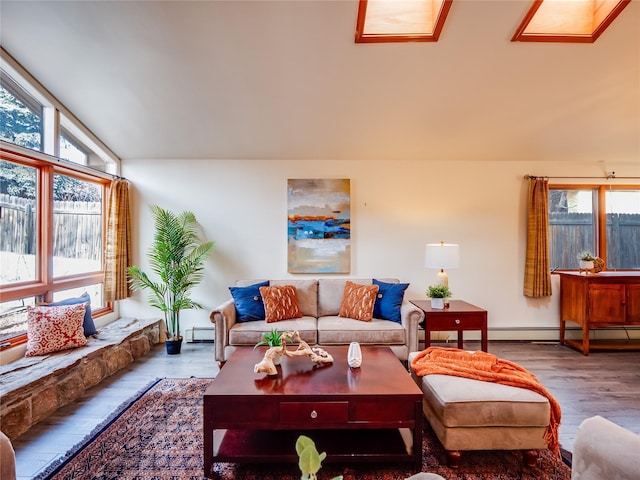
(50, 129)
(601, 208)
(46, 228)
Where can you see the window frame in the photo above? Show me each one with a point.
(599, 214)
(45, 284)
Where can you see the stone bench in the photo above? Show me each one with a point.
(32, 388)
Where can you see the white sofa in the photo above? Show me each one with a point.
(603, 450)
(319, 301)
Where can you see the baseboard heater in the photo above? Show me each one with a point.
(200, 335)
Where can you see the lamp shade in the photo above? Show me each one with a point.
(442, 255)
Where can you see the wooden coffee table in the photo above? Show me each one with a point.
(369, 414)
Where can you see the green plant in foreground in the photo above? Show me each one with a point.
(310, 461)
(586, 256)
(438, 291)
(271, 339)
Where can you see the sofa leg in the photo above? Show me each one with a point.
(453, 458)
(530, 457)
(221, 364)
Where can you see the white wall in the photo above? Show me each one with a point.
(397, 207)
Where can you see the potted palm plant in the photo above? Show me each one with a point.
(177, 257)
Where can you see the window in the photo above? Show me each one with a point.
(581, 21)
(601, 219)
(400, 20)
(19, 232)
(51, 237)
(72, 149)
(20, 116)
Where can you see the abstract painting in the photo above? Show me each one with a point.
(319, 225)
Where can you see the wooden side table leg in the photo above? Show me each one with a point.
(460, 340)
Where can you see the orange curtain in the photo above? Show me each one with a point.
(118, 248)
(537, 274)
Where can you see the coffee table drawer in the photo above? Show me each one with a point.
(241, 411)
(314, 412)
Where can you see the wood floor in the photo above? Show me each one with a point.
(603, 383)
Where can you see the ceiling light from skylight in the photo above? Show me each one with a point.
(382, 21)
(568, 20)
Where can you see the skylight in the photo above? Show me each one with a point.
(568, 20)
(400, 20)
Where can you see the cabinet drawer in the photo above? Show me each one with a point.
(456, 322)
(314, 412)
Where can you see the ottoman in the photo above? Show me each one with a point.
(468, 414)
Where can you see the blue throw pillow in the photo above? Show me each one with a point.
(389, 300)
(87, 324)
(249, 305)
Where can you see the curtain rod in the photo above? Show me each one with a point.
(608, 176)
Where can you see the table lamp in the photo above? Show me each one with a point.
(440, 256)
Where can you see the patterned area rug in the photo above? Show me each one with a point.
(158, 435)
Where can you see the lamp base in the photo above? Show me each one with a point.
(443, 278)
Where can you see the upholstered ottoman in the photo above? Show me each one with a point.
(470, 414)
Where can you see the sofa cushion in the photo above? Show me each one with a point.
(280, 303)
(389, 300)
(335, 330)
(307, 291)
(88, 326)
(464, 402)
(52, 329)
(358, 301)
(248, 302)
(250, 333)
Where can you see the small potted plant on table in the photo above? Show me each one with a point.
(438, 293)
(586, 261)
(272, 339)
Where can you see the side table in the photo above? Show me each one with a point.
(459, 316)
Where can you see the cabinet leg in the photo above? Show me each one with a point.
(585, 340)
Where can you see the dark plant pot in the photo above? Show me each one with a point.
(173, 346)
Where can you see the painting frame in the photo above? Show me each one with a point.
(319, 225)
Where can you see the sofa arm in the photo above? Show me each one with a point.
(223, 318)
(603, 449)
(411, 317)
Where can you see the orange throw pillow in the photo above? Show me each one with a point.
(280, 303)
(358, 301)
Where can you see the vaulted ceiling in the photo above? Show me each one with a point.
(271, 79)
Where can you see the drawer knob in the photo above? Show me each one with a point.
(457, 321)
(314, 414)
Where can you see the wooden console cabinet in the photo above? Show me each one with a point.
(605, 299)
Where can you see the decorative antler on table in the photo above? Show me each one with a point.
(316, 354)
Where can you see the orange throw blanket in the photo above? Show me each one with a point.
(487, 368)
